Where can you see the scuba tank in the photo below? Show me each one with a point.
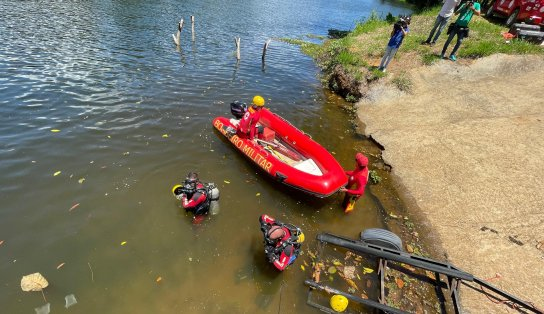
(213, 196)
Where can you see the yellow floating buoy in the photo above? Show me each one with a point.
(339, 303)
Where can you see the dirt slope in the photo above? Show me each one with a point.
(468, 145)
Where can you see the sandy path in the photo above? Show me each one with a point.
(468, 145)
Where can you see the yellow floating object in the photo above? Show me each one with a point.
(339, 303)
(301, 238)
(227, 182)
(367, 270)
(124, 242)
(258, 194)
(302, 267)
(55, 130)
(57, 173)
(174, 188)
(165, 135)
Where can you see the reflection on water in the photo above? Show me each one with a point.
(134, 116)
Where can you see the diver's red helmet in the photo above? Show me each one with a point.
(361, 160)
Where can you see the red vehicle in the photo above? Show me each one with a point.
(530, 11)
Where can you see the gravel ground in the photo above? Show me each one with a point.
(467, 144)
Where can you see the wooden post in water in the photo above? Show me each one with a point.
(193, 27)
(237, 42)
(265, 47)
(177, 36)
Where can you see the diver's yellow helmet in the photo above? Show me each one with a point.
(258, 101)
(339, 303)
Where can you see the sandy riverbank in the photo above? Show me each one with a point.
(468, 146)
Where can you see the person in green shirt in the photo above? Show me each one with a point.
(460, 27)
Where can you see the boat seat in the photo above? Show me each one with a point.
(309, 166)
(234, 122)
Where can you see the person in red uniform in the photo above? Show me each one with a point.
(282, 241)
(193, 195)
(247, 126)
(357, 180)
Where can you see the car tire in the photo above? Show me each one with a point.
(490, 12)
(382, 237)
(512, 18)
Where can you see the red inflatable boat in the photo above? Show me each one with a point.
(287, 154)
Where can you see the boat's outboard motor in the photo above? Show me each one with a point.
(238, 109)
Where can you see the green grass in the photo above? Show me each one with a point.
(403, 82)
(371, 24)
(311, 49)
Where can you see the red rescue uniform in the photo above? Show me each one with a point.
(196, 201)
(357, 180)
(288, 251)
(247, 125)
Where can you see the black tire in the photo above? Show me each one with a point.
(382, 237)
(512, 18)
(490, 11)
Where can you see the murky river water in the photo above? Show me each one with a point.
(133, 116)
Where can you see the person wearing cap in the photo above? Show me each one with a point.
(248, 124)
(357, 180)
(400, 29)
(281, 241)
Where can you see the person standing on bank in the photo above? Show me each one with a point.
(441, 20)
(400, 29)
(460, 27)
(357, 180)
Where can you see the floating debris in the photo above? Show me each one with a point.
(124, 242)
(45, 309)
(60, 265)
(158, 280)
(81, 180)
(55, 130)
(70, 300)
(33, 282)
(57, 173)
(73, 207)
(349, 272)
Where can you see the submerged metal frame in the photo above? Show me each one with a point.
(454, 277)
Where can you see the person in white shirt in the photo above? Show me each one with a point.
(441, 20)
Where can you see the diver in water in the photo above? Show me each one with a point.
(281, 241)
(195, 196)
